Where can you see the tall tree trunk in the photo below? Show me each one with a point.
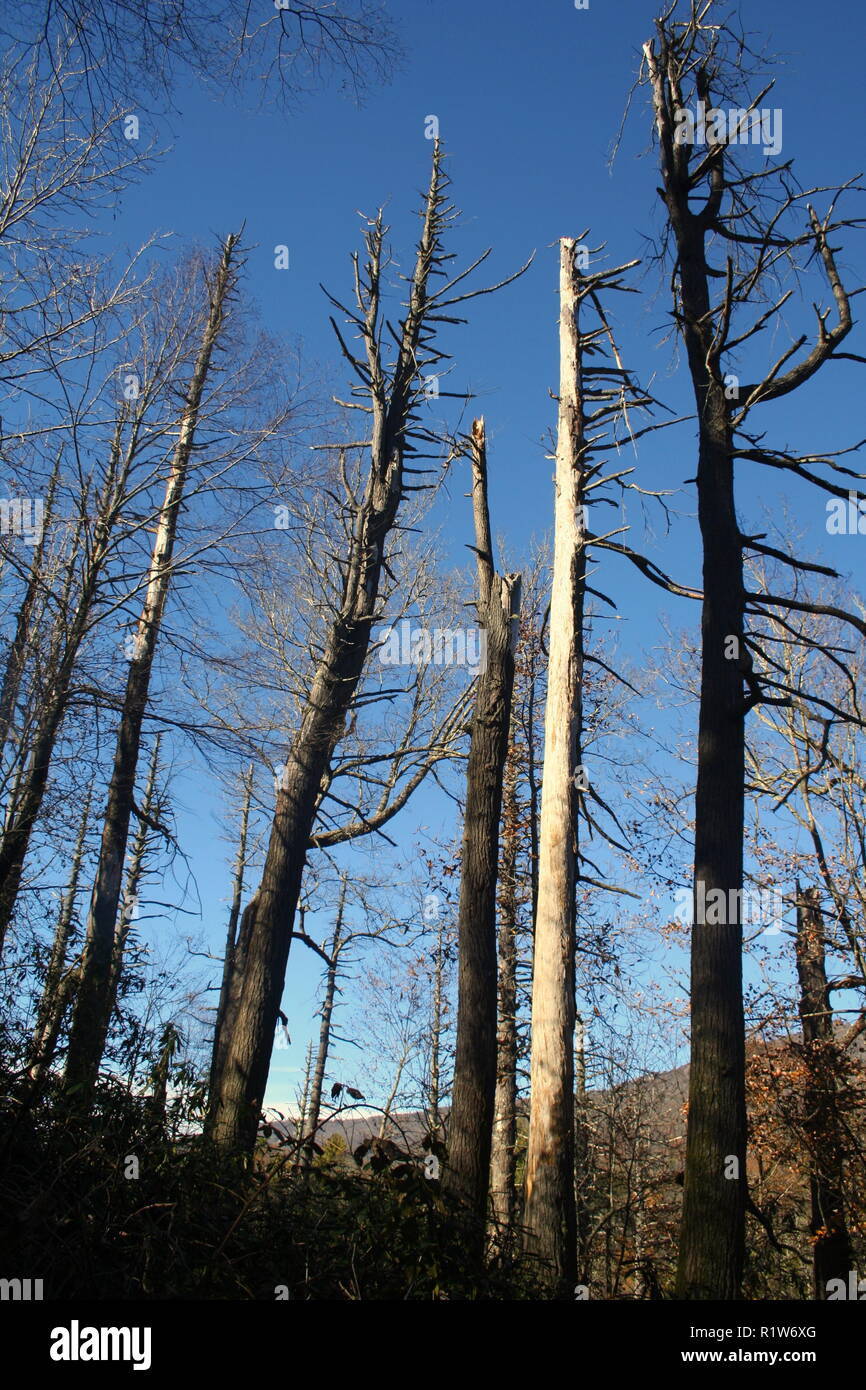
(266, 927)
(302, 1108)
(502, 1158)
(70, 628)
(712, 1239)
(94, 1005)
(549, 1214)
(328, 998)
(60, 977)
(28, 795)
(831, 1245)
(470, 1126)
(395, 1087)
(712, 1236)
(156, 1103)
(134, 875)
(434, 1094)
(229, 974)
(16, 656)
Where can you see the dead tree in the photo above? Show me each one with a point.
(518, 892)
(84, 572)
(61, 976)
(596, 393)
(470, 1125)
(433, 1096)
(831, 1248)
(149, 827)
(326, 1014)
(228, 975)
(549, 1205)
(504, 1136)
(394, 393)
(715, 204)
(32, 602)
(93, 1004)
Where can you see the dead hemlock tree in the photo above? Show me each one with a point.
(28, 619)
(94, 1002)
(110, 469)
(240, 866)
(381, 761)
(307, 1135)
(337, 953)
(742, 218)
(61, 975)
(64, 972)
(593, 396)
(470, 1125)
(409, 709)
(813, 767)
(823, 1124)
(517, 882)
(394, 395)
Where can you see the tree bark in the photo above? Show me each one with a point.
(502, 1159)
(549, 1212)
(470, 1126)
(582, 1155)
(832, 1257)
(712, 1236)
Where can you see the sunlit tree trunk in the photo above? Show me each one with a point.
(549, 1211)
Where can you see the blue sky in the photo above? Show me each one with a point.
(529, 100)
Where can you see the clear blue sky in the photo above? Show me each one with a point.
(529, 100)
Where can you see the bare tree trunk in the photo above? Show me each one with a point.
(93, 1005)
(502, 1159)
(302, 1108)
(17, 654)
(266, 927)
(434, 1096)
(702, 193)
(832, 1258)
(712, 1238)
(29, 794)
(134, 874)
(70, 629)
(324, 1030)
(228, 975)
(471, 1123)
(392, 1095)
(168, 1046)
(60, 977)
(549, 1215)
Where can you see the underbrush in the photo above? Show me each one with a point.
(118, 1210)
